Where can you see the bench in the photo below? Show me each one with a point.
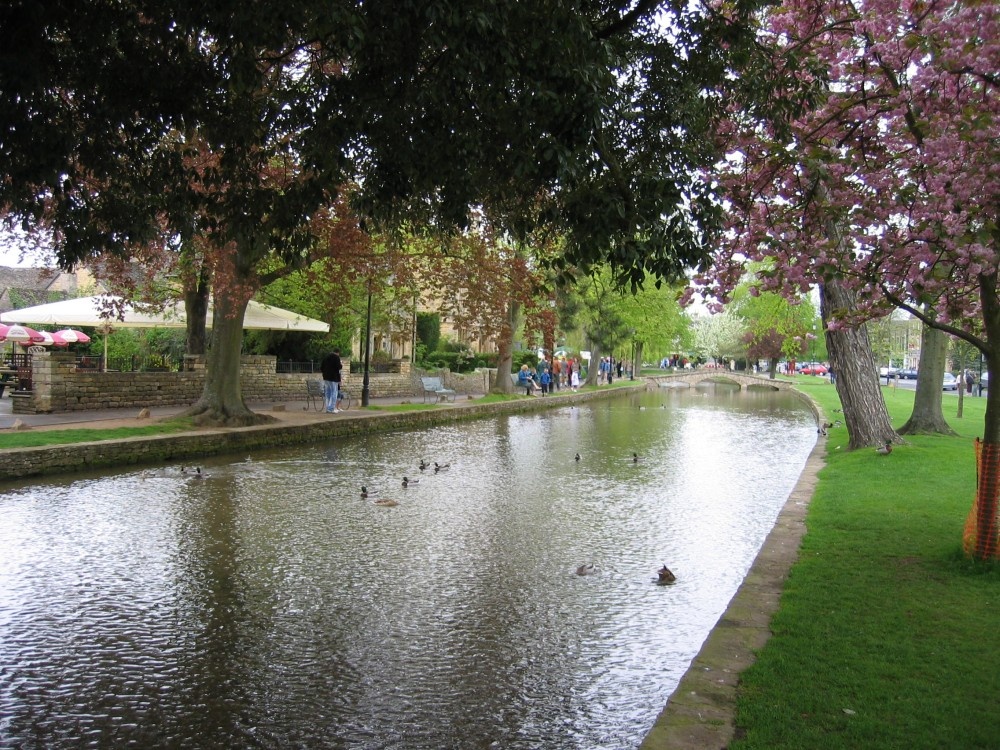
(435, 387)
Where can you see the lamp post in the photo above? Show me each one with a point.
(368, 346)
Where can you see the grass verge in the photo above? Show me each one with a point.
(886, 636)
(90, 434)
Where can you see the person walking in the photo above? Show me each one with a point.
(331, 367)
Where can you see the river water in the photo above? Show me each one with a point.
(268, 605)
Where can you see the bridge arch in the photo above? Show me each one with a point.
(743, 380)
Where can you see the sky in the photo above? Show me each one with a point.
(10, 253)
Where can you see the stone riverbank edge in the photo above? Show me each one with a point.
(700, 714)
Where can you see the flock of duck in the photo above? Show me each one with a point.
(663, 576)
(386, 502)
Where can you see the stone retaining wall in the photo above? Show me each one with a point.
(20, 463)
(58, 386)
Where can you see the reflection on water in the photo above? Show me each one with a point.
(269, 605)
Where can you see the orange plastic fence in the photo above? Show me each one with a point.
(982, 532)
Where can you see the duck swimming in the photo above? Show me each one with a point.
(441, 467)
(586, 570)
(665, 575)
(364, 491)
(636, 458)
(576, 457)
(423, 464)
(407, 481)
(385, 503)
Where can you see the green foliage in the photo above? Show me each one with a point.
(428, 330)
(524, 357)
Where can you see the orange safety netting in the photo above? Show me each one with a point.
(982, 531)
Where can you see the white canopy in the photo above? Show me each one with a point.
(86, 311)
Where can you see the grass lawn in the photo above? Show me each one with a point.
(31, 439)
(886, 637)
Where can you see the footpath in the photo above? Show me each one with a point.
(699, 715)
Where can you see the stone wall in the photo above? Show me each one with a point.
(59, 387)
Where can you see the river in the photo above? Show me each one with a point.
(267, 604)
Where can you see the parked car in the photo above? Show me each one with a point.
(814, 368)
(950, 382)
(984, 380)
(908, 373)
(888, 372)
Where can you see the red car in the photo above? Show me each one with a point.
(814, 368)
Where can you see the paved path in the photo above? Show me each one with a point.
(295, 411)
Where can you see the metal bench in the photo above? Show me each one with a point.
(434, 386)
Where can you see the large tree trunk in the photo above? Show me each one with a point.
(865, 415)
(637, 360)
(593, 368)
(196, 309)
(221, 402)
(505, 361)
(984, 523)
(927, 416)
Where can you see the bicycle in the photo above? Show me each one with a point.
(344, 400)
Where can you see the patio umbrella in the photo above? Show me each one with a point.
(71, 336)
(20, 334)
(52, 339)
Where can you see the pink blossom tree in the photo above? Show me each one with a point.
(883, 186)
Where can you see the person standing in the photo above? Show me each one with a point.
(331, 367)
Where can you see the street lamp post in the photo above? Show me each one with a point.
(368, 346)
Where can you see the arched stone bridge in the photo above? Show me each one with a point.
(742, 379)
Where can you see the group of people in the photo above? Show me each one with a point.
(609, 368)
(549, 377)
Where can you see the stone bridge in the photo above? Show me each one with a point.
(742, 379)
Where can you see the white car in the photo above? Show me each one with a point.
(950, 382)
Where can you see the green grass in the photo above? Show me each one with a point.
(887, 637)
(90, 434)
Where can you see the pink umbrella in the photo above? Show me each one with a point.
(52, 339)
(20, 334)
(71, 336)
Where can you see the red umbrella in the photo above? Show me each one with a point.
(20, 334)
(71, 336)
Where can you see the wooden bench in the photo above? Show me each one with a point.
(434, 386)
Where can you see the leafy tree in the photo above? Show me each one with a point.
(720, 337)
(429, 330)
(885, 185)
(126, 125)
(776, 327)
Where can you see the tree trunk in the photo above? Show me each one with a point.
(637, 360)
(865, 415)
(772, 368)
(221, 402)
(505, 361)
(196, 309)
(593, 369)
(927, 417)
(984, 522)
